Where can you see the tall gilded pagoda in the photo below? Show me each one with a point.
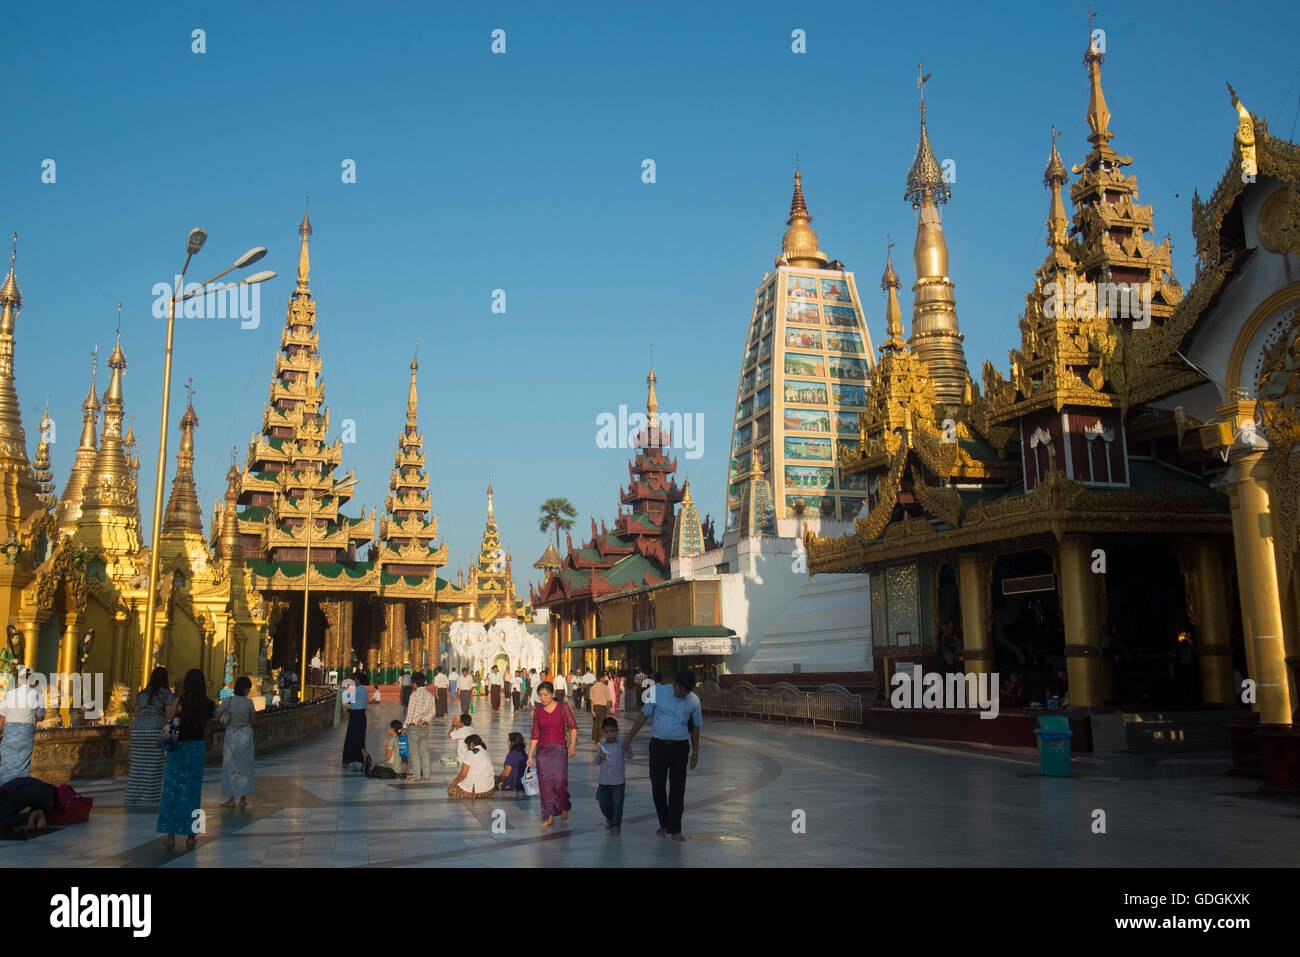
(489, 588)
(803, 382)
(634, 553)
(380, 610)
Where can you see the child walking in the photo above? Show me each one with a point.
(613, 777)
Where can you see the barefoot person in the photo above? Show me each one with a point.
(237, 752)
(182, 791)
(554, 741)
(674, 740)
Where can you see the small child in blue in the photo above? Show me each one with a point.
(613, 777)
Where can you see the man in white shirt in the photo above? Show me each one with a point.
(560, 686)
(588, 680)
(460, 730)
(440, 684)
(575, 688)
(495, 684)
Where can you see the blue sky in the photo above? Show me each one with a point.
(522, 172)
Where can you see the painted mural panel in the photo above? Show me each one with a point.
(847, 422)
(840, 316)
(853, 395)
(806, 364)
(803, 338)
(799, 311)
(838, 341)
(836, 290)
(800, 287)
(811, 393)
(799, 447)
(763, 398)
(808, 477)
(807, 420)
(846, 368)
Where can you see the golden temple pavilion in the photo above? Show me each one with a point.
(1117, 515)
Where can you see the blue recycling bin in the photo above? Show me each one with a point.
(1054, 734)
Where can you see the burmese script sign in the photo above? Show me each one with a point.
(705, 646)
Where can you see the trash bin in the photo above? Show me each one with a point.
(1054, 734)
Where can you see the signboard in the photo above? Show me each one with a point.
(661, 647)
(705, 646)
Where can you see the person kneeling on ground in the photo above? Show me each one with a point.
(24, 801)
(511, 777)
(394, 744)
(475, 779)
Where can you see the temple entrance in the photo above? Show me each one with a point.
(287, 646)
(1149, 629)
(1028, 635)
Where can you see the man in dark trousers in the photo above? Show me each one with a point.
(675, 720)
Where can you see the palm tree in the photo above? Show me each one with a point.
(556, 513)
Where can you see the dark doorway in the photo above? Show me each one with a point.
(1149, 630)
(1028, 636)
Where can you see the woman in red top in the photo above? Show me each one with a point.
(554, 741)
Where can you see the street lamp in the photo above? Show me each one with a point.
(193, 244)
(347, 483)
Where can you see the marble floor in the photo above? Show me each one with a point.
(763, 794)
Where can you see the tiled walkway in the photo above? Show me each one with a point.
(866, 801)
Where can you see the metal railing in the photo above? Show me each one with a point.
(830, 703)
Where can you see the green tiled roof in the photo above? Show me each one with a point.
(254, 513)
(267, 568)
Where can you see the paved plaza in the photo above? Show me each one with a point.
(867, 801)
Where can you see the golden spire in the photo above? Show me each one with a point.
(44, 477)
(304, 261)
(490, 519)
(9, 292)
(652, 401)
(799, 244)
(229, 547)
(84, 463)
(686, 493)
(110, 512)
(183, 513)
(1098, 115)
(412, 397)
(889, 284)
(1054, 177)
(15, 504)
(935, 338)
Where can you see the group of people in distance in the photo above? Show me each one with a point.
(673, 712)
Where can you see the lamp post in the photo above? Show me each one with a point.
(193, 244)
(306, 583)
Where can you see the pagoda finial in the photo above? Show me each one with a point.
(799, 245)
(1054, 177)
(9, 294)
(489, 495)
(889, 284)
(304, 261)
(1098, 114)
(686, 493)
(925, 178)
(652, 400)
(412, 396)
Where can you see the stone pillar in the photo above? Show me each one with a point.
(977, 650)
(1079, 611)
(67, 665)
(1213, 646)
(1259, 585)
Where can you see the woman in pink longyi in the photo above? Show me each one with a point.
(554, 741)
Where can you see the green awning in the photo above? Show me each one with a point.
(682, 631)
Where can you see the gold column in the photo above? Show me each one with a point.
(119, 665)
(67, 664)
(1079, 611)
(1213, 646)
(31, 638)
(976, 650)
(1243, 600)
(1259, 586)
